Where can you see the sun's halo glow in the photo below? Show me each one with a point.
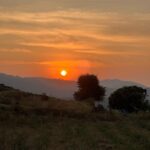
(63, 73)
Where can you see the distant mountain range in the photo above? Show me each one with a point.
(58, 88)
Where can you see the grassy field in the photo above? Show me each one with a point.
(22, 131)
(34, 124)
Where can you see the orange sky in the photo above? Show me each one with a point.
(110, 38)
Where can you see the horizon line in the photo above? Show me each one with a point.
(112, 79)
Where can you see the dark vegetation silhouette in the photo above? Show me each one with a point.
(45, 97)
(129, 99)
(89, 88)
(4, 88)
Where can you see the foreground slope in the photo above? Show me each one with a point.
(31, 122)
(50, 132)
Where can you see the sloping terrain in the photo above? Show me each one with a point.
(37, 122)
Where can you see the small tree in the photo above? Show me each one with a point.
(129, 99)
(89, 88)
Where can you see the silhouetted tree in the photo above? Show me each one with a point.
(129, 99)
(89, 88)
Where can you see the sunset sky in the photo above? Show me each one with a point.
(110, 38)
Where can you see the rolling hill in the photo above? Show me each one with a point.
(28, 122)
(58, 88)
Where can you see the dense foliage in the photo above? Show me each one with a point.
(129, 99)
(89, 88)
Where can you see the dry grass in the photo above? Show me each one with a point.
(29, 123)
(49, 132)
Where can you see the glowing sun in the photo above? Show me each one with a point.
(63, 73)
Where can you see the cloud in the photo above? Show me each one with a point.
(105, 33)
(15, 51)
(75, 31)
(51, 5)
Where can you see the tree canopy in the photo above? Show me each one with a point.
(130, 99)
(89, 88)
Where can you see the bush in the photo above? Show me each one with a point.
(129, 99)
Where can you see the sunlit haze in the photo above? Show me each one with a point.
(63, 73)
(109, 38)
